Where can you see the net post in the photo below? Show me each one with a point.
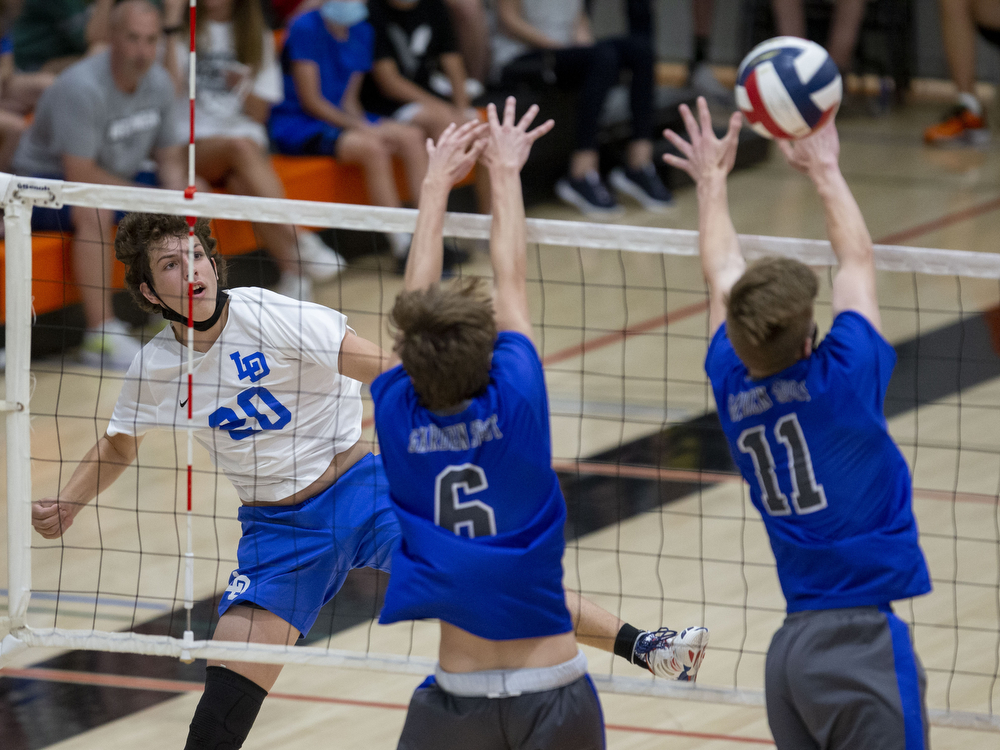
(17, 222)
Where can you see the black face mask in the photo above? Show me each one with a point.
(199, 325)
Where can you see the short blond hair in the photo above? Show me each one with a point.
(769, 313)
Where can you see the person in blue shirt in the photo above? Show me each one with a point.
(463, 424)
(324, 60)
(806, 426)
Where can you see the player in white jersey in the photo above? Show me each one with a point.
(276, 402)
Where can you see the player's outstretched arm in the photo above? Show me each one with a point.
(708, 160)
(98, 470)
(449, 160)
(854, 283)
(507, 149)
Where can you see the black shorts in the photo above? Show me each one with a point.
(563, 718)
(844, 679)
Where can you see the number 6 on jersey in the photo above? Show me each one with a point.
(472, 518)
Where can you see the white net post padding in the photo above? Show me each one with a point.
(17, 221)
(20, 194)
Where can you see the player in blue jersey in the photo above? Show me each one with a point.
(463, 424)
(805, 424)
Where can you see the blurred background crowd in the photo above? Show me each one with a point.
(97, 91)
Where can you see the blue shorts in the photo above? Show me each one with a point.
(293, 559)
(322, 141)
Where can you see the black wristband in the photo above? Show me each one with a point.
(625, 642)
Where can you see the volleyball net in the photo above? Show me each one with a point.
(660, 529)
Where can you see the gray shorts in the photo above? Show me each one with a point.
(845, 678)
(567, 717)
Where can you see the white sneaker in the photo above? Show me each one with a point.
(295, 286)
(704, 82)
(320, 261)
(673, 656)
(110, 347)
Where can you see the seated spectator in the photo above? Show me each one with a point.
(51, 35)
(326, 55)
(237, 80)
(100, 122)
(18, 94)
(790, 20)
(553, 37)
(416, 59)
(965, 124)
(418, 76)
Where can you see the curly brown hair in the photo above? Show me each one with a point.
(138, 233)
(445, 337)
(769, 313)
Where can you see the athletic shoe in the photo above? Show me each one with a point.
(673, 656)
(960, 127)
(588, 194)
(704, 82)
(644, 185)
(295, 286)
(320, 261)
(110, 347)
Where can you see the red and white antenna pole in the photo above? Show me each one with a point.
(189, 194)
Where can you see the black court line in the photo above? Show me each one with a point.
(35, 714)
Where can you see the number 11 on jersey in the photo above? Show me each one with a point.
(807, 495)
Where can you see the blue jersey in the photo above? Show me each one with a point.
(479, 506)
(310, 40)
(832, 486)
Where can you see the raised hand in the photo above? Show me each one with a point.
(704, 156)
(509, 144)
(821, 150)
(456, 152)
(51, 518)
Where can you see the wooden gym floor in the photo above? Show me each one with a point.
(649, 544)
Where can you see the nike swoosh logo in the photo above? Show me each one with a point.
(184, 402)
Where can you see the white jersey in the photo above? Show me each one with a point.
(269, 403)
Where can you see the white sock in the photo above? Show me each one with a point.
(971, 103)
(400, 243)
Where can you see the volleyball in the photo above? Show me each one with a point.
(788, 87)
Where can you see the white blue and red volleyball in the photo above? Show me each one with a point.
(788, 87)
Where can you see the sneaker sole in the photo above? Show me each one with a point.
(624, 185)
(968, 139)
(568, 195)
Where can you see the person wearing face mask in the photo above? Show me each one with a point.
(325, 58)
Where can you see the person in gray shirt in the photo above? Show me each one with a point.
(102, 121)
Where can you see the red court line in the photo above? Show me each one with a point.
(185, 686)
(940, 223)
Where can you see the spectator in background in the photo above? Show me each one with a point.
(790, 20)
(965, 124)
(553, 37)
(101, 122)
(238, 79)
(700, 75)
(326, 55)
(418, 76)
(473, 33)
(18, 91)
(50, 35)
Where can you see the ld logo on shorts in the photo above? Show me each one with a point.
(237, 586)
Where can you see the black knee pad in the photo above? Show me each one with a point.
(225, 712)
